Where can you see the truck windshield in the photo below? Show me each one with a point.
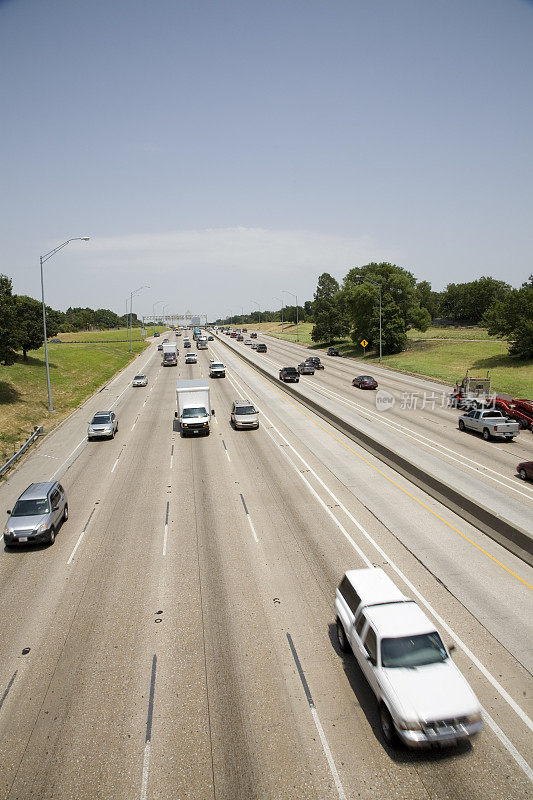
(413, 651)
(193, 413)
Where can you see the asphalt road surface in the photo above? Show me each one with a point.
(177, 641)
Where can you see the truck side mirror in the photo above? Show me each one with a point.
(213, 411)
(175, 414)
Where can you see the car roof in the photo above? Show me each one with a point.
(97, 413)
(399, 619)
(37, 491)
(373, 585)
(243, 403)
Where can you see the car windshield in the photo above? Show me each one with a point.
(139, 377)
(193, 413)
(30, 508)
(217, 366)
(413, 651)
(366, 378)
(101, 419)
(290, 369)
(245, 410)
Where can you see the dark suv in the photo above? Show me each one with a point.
(289, 374)
(261, 348)
(332, 351)
(315, 361)
(37, 514)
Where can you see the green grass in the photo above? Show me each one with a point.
(75, 373)
(115, 334)
(452, 332)
(443, 360)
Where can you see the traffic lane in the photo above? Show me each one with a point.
(504, 498)
(421, 414)
(37, 577)
(49, 458)
(255, 752)
(453, 568)
(314, 546)
(89, 693)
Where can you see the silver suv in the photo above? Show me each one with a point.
(244, 414)
(103, 425)
(37, 514)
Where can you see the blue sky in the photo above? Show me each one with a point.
(224, 151)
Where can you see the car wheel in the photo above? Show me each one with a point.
(51, 536)
(461, 425)
(486, 434)
(117, 428)
(523, 474)
(387, 726)
(341, 637)
(65, 513)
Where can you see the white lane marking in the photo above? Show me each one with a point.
(146, 770)
(134, 424)
(145, 402)
(484, 671)
(83, 441)
(227, 454)
(520, 760)
(165, 541)
(418, 437)
(151, 387)
(216, 420)
(114, 465)
(329, 757)
(171, 461)
(82, 534)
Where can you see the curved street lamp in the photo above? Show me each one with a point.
(132, 294)
(42, 260)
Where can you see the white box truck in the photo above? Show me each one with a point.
(194, 407)
(170, 354)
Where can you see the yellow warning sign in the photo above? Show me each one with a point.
(364, 343)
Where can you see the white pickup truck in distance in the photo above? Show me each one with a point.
(423, 699)
(217, 369)
(489, 423)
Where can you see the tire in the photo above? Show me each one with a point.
(344, 645)
(387, 726)
(486, 434)
(523, 474)
(461, 425)
(65, 513)
(51, 536)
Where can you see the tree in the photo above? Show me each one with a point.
(467, 302)
(401, 307)
(512, 317)
(330, 322)
(8, 323)
(428, 299)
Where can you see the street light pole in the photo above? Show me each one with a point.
(297, 326)
(280, 301)
(259, 307)
(135, 291)
(42, 260)
(153, 310)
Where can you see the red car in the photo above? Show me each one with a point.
(365, 382)
(525, 470)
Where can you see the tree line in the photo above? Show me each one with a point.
(353, 307)
(21, 322)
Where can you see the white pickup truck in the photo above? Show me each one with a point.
(489, 423)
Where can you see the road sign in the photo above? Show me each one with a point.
(364, 343)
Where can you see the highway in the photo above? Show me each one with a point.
(177, 640)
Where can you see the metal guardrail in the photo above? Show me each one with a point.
(37, 431)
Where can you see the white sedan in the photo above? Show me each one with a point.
(140, 380)
(190, 358)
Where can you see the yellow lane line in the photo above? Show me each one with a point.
(377, 469)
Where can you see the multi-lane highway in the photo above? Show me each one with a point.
(177, 640)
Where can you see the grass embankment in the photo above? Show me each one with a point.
(114, 335)
(443, 360)
(76, 371)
